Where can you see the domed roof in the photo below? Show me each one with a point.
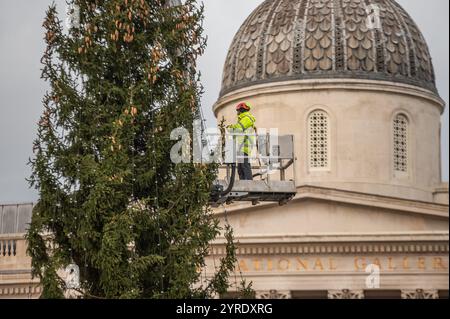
(308, 39)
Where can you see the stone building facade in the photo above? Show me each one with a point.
(353, 81)
(15, 266)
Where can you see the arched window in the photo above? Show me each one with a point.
(401, 133)
(318, 135)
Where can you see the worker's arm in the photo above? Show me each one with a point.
(237, 127)
(242, 125)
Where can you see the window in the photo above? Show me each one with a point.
(401, 127)
(318, 132)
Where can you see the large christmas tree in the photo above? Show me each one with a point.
(111, 200)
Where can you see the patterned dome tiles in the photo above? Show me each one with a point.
(304, 39)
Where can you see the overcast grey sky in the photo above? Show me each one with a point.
(21, 89)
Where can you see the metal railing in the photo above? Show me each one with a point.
(270, 155)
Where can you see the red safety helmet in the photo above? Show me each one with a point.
(243, 106)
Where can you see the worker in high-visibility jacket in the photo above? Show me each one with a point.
(245, 128)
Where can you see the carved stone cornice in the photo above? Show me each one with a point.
(31, 289)
(345, 294)
(420, 294)
(372, 200)
(289, 86)
(412, 244)
(350, 294)
(351, 197)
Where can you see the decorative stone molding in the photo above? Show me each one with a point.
(337, 248)
(306, 192)
(20, 290)
(420, 294)
(372, 200)
(273, 294)
(345, 294)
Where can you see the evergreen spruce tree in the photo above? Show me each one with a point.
(111, 201)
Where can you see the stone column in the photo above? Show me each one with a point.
(345, 294)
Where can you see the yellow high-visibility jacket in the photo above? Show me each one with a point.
(246, 124)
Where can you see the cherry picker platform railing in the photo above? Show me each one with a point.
(273, 173)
